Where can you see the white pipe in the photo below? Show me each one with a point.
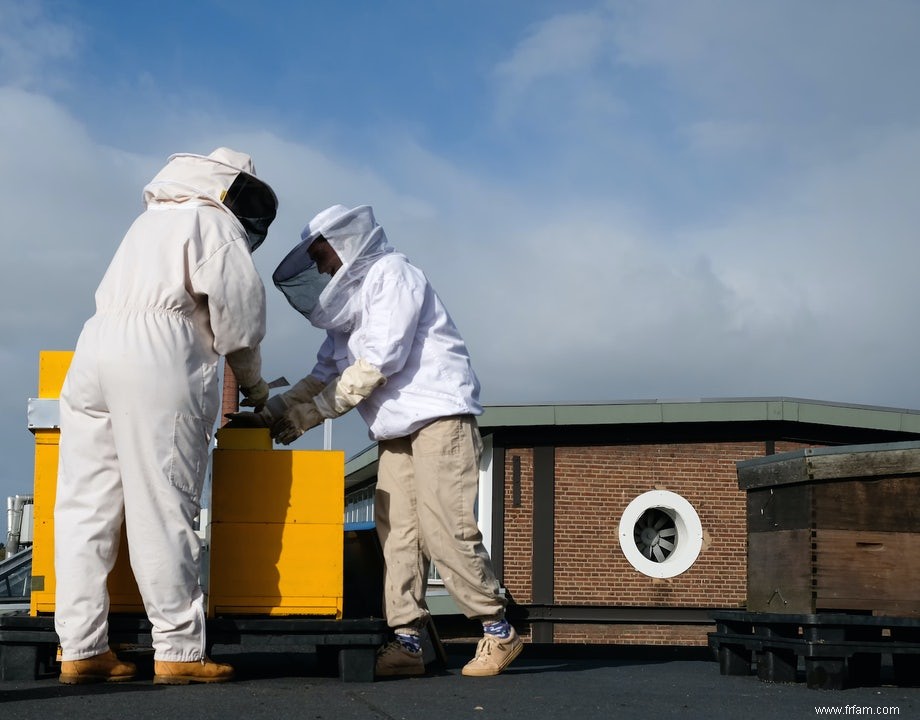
(14, 507)
(327, 434)
(9, 522)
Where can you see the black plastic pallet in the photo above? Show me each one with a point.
(28, 645)
(838, 650)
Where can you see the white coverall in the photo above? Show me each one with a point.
(381, 312)
(140, 399)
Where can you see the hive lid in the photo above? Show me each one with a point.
(830, 463)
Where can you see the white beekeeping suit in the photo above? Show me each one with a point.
(391, 347)
(141, 397)
(392, 351)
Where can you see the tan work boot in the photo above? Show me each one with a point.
(395, 659)
(493, 654)
(105, 667)
(205, 670)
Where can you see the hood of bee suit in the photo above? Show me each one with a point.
(332, 303)
(227, 179)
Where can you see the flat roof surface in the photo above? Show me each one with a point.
(568, 682)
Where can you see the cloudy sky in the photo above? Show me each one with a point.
(630, 199)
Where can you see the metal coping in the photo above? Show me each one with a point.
(361, 466)
(835, 450)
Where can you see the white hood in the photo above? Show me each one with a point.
(332, 303)
(226, 179)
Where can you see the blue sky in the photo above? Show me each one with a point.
(616, 200)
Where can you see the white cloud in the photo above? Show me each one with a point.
(708, 199)
(794, 67)
(558, 72)
(560, 46)
(32, 44)
(715, 139)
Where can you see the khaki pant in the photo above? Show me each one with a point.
(424, 510)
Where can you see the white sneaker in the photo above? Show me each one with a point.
(493, 654)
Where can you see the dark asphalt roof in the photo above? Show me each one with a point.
(583, 682)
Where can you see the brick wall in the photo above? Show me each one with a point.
(230, 399)
(632, 634)
(593, 486)
(519, 528)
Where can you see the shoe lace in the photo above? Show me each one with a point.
(484, 648)
(386, 649)
(391, 648)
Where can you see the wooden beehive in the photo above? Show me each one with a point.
(834, 529)
(277, 528)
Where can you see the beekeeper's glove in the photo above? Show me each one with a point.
(295, 422)
(351, 387)
(303, 391)
(246, 364)
(238, 420)
(255, 396)
(276, 406)
(335, 399)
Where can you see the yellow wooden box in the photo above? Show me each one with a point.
(277, 535)
(277, 529)
(123, 592)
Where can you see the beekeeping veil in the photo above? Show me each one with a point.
(225, 178)
(332, 303)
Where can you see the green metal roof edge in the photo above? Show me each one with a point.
(363, 465)
(703, 410)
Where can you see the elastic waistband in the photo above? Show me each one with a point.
(128, 311)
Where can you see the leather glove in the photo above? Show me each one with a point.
(295, 422)
(255, 396)
(274, 409)
(302, 391)
(351, 387)
(238, 420)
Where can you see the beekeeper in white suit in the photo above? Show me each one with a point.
(138, 408)
(392, 351)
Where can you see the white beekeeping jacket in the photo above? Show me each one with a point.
(380, 308)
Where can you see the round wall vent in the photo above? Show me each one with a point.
(660, 534)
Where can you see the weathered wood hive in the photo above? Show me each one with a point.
(834, 529)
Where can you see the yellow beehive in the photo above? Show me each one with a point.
(277, 532)
(123, 592)
(277, 528)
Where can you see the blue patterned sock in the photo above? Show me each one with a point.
(498, 628)
(412, 643)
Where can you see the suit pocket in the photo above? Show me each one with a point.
(189, 458)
